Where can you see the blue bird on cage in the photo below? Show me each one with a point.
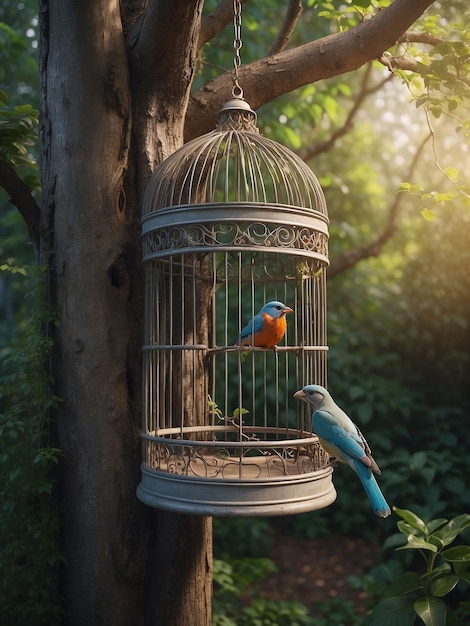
(267, 327)
(341, 438)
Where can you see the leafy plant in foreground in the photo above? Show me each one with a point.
(414, 595)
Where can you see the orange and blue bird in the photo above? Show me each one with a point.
(267, 327)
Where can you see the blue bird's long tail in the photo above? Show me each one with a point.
(372, 489)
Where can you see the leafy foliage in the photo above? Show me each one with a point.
(241, 537)
(29, 520)
(17, 133)
(19, 75)
(19, 78)
(233, 579)
(412, 594)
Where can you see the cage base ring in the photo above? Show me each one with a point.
(285, 495)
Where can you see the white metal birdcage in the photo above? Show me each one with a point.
(231, 221)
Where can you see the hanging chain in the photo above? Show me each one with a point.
(237, 91)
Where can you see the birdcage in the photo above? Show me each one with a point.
(231, 221)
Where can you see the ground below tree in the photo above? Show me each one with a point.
(313, 571)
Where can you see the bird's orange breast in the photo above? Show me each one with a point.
(271, 333)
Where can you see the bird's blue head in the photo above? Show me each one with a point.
(314, 395)
(275, 309)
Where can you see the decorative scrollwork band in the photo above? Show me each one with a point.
(225, 462)
(177, 239)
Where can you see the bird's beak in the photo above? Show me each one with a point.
(288, 310)
(299, 394)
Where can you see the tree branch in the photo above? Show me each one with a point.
(364, 91)
(417, 37)
(406, 61)
(21, 197)
(156, 45)
(374, 248)
(401, 62)
(162, 59)
(293, 12)
(214, 22)
(267, 78)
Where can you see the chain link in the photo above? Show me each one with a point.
(237, 91)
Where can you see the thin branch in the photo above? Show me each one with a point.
(405, 61)
(293, 12)
(364, 91)
(374, 248)
(415, 37)
(214, 22)
(21, 197)
(401, 62)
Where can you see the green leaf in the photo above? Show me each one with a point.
(443, 568)
(452, 172)
(434, 524)
(453, 528)
(292, 137)
(444, 584)
(393, 611)
(431, 610)
(415, 543)
(457, 553)
(363, 4)
(428, 215)
(407, 529)
(405, 583)
(411, 518)
(330, 106)
(436, 541)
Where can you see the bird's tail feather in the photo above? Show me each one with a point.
(372, 489)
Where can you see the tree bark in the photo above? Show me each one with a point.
(182, 571)
(85, 157)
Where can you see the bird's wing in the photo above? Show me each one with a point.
(363, 439)
(253, 326)
(373, 464)
(326, 427)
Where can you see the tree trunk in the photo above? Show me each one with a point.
(120, 554)
(179, 593)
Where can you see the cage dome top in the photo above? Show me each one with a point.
(234, 164)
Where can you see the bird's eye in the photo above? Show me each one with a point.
(278, 307)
